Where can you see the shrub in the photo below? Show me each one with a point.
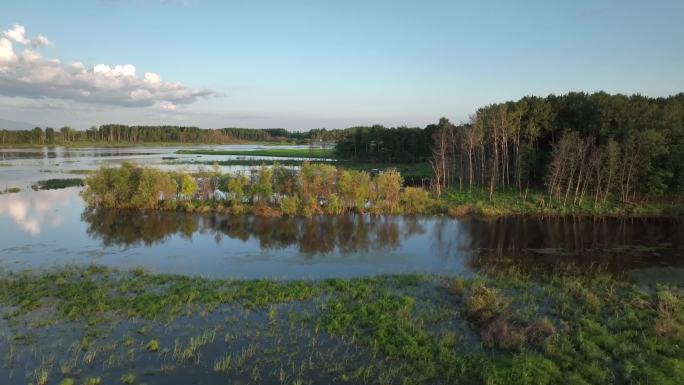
(333, 206)
(460, 210)
(289, 205)
(264, 210)
(388, 187)
(415, 200)
(539, 331)
(502, 334)
(310, 207)
(484, 304)
(152, 346)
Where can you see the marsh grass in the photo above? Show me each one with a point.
(273, 152)
(506, 326)
(458, 203)
(11, 190)
(54, 184)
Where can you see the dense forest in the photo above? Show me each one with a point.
(118, 133)
(579, 146)
(380, 144)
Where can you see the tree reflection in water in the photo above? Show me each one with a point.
(619, 244)
(615, 244)
(319, 234)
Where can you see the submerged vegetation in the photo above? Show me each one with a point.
(506, 326)
(53, 184)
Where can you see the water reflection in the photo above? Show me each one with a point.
(32, 212)
(615, 244)
(620, 243)
(320, 234)
(574, 235)
(47, 228)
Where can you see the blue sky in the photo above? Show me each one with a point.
(305, 64)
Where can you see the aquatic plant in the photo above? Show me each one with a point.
(152, 346)
(128, 378)
(504, 326)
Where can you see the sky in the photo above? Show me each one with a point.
(314, 64)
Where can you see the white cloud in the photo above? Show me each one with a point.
(30, 75)
(6, 51)
(18, 35)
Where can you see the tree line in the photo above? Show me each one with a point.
(119, 133)
(577, 146)
(381, 144)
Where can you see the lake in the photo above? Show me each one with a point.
(54, 228)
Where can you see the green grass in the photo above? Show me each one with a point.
(477, 201)
(274, 152)
(53, 184)
(11, 190)
(80, 172)
(408, 170)
(509, 325)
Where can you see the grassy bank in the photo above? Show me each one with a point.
(478, 202)
(54, 184)
(10, 190)
(274, 152)
(503, 327)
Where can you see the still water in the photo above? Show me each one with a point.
(21, 167)
(42, 229)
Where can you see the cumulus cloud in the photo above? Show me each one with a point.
(28, 74)
(18, 35)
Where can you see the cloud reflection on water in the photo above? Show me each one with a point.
(32, 212)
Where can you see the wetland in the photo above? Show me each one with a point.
(92, 295)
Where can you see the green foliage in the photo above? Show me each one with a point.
(581, 146)
(289, 205)
(152, 346)
(333, 206)
(315, 189)
(185, 184)
(415, 200)
(11, 190)
(54, 184)
(381, 144)
(262, 188)
(416, 329)
(152, 186)
(388, 187)
(237, 187)
(128, 378)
